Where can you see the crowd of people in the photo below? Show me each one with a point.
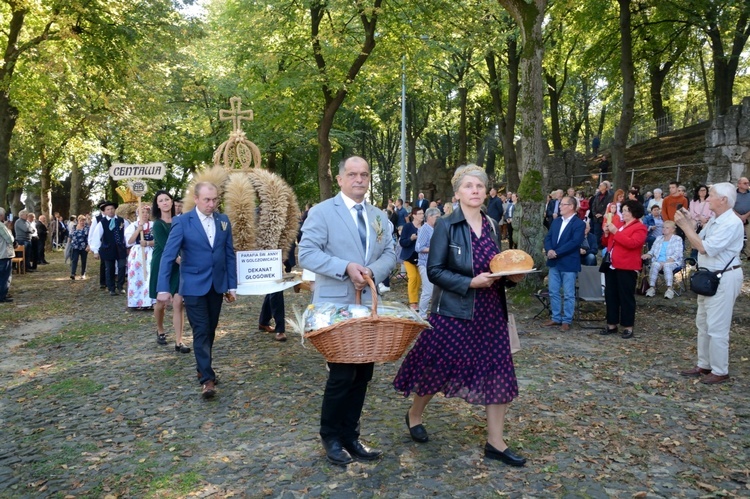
(160, 256)
(714, 225)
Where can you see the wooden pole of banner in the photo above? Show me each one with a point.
(143, 248)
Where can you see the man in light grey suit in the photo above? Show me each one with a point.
(345, 239)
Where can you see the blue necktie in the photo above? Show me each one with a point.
(361, 226)
(111, 224)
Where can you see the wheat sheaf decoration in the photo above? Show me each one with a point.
(238, 151)
(216, 175)
(261, 206)
(239, 205)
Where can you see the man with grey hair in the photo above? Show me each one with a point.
(7, 252)
(719, 245)
(23, 237)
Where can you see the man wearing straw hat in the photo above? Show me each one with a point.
(345, 239)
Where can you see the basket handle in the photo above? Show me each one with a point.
(358, 296)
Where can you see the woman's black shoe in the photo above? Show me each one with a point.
(418, 432)
(181, 348)
(626, 333)
(161, 339)
(607, 331)
(507, 456)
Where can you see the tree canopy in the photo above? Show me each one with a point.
(499, 83)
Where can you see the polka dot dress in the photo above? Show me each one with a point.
(462, 358)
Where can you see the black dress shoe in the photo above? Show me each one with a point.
(360, 451)
(181, 348)
(335, 453)
(507, 456)
(418, 432)
(161, 339)
(6, 300)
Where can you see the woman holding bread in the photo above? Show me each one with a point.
(467, 352)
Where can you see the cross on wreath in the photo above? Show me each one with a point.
(235, 114)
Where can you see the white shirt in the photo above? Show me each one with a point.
(209, 225)
(722, 240)
(95, 240)
(565, 222)
(349, 202)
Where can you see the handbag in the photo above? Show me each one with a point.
(606, 262)
(705, 282)
(515, 342)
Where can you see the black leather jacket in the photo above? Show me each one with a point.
(450, 267)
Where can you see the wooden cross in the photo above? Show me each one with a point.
(235, 114)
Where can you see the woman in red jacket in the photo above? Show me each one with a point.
(624, 245)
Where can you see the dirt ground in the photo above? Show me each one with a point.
(92, 407)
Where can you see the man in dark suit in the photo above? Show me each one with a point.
(108, 243)
(208, 270)
(495, 207)
(345, 239)
(421, 202)
(562, 244)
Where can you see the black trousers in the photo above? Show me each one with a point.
(109, 271)
(343, 399)
(511, 245)
(619, 293)
(273, 308)
(203, 315)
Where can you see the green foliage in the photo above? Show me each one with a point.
(531, 186)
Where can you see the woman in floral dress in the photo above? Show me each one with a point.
(467, 352)
(140, 240)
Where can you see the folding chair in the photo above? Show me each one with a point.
(589, 289)
(399, 272)
(543, 296)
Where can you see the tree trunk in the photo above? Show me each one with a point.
(554, 111)
(529, 17)
(76, 179)
(462, 135)
(8, 117)
(530, 237)
(628, 96)
(368, 16)
(411, 168)
(506, 119)
(45, 192)
(657, 75)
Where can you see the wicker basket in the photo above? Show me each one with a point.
(366, 339)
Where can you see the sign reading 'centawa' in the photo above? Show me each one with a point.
(121, 171)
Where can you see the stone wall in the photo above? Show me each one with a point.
(728, 145)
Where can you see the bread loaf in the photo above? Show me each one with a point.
(511, 260)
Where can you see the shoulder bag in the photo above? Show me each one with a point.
(705, 282)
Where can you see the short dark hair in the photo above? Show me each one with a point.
(674, 182)
(634, 207)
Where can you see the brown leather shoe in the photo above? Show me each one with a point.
(712, 379)
(565, 327)
(209, 390)
(695, 372)
(551, 323)
(267, 329)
